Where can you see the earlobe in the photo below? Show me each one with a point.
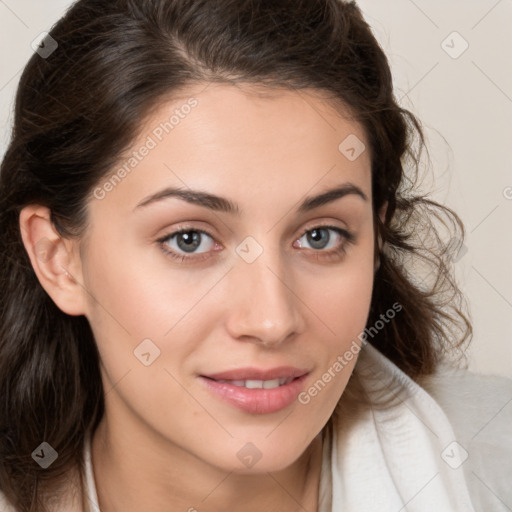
(55, 260)
(382, 212)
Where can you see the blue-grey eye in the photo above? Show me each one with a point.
(319, 238)
(188, 241)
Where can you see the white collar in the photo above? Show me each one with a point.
(390, 458)
(92, 496)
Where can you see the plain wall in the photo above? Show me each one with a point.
(464, 100)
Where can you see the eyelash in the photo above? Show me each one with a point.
(349, 238)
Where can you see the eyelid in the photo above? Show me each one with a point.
(323, 224)
(308, 227)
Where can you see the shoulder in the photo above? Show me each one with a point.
(472, 402)
(479, 408)
(454, 424)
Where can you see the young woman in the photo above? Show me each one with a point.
(211, 297)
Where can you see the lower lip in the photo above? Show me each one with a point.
(257, 401)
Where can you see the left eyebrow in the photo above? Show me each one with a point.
(329, 196)
(222, 204)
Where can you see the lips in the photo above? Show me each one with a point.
(257, 391)
(258, 374)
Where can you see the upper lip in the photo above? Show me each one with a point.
(251, 373)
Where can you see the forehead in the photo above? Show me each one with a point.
(243, 142)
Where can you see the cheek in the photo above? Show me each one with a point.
(122, 311)
(343, 307)
(341, 298)
(128, 294)
(133, 300)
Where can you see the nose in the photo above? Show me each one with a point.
(263, 306)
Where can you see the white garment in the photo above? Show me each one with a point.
(407, 456)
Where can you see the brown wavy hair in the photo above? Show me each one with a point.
(79, 108)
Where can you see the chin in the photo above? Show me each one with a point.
(262, 455)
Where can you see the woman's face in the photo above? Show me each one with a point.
(276, 280)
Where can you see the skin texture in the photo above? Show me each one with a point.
(166, 442)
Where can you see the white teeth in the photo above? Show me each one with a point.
(258, 384)
(271, 384)
(254, 384)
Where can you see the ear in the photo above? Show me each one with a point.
(382, 216)
(55, 260)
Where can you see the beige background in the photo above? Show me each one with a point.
(464, 100)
